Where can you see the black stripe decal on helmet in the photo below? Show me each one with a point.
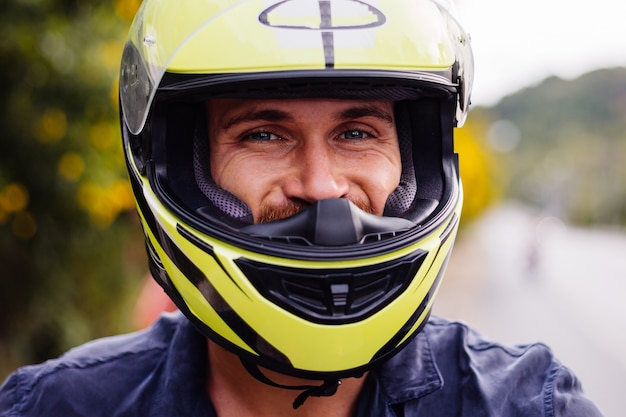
(371, 18)
(206, 248)
(328, 38)
(449, 228)
(213, 297)
(143, 207)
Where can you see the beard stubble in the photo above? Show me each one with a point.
(272, 212)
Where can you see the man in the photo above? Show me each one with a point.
(295, 175)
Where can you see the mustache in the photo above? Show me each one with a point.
(271, 212)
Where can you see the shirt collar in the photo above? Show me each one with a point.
(412, 373)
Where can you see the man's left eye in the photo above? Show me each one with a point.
(354, 134)
(262, 136)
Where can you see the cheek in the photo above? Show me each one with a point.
(386, 179)
(245, 177)
(377, 178)
(231, 175)
(395, 168)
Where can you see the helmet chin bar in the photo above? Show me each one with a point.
(330, 222)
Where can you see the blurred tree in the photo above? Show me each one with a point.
(69, 260)
(569, 161)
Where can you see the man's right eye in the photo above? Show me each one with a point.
(261, 136)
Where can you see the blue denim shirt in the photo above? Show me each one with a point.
(447, 370)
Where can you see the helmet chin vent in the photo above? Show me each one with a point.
(331, 222)
(333, 296)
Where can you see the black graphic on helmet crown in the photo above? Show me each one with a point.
(323, 16)
(293, 14)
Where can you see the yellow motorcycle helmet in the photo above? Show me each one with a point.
(332, 291)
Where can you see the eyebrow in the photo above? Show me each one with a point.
(268, 115)
(273, 115)
(358, 112)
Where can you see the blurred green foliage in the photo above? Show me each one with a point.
(70, 248)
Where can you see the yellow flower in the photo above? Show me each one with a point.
(52, 126)
(13, 198)
(71, 166)
(126, 9)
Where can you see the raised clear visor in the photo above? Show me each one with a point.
(157, 32)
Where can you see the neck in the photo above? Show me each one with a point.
(234, 391)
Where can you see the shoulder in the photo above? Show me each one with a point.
(102, 371)
(445, 337)
(462, 352)
(523, 379)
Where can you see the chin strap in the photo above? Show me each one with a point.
(328, 388)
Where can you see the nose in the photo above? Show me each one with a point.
(316, 173)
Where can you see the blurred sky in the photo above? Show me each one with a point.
(520, 43)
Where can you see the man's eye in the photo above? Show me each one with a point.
(354, 134)
(262, 136)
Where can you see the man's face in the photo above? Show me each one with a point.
(279, 156)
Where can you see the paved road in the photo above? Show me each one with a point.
(519, 278)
